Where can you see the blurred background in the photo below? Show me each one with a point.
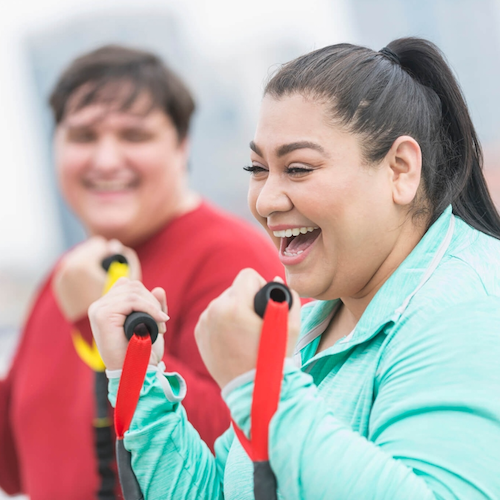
(224, 50)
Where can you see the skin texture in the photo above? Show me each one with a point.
(363, 212)
(123, 173)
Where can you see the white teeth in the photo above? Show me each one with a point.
(286, 233)
(291, 254)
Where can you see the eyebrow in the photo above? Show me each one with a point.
(91, 124)
(288, 148)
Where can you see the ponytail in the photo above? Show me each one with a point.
(405, 89)
(464, 185)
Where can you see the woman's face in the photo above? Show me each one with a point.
(122, 172)
(330, 214)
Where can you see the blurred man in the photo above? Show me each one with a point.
(121, 149)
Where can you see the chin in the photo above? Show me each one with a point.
(309, 287)
(117, 230)
(303, 285)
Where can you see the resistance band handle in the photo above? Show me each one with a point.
(272, 290)
(264, 481)
(117, 257)
(142, 324)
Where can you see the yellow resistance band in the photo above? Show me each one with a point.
(89, 354)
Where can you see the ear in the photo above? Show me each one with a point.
(405, 163)
(184, 146)
(183, 150)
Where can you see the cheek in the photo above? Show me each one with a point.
(252, 197)
(358, 222)
(70, 165)
(156, 164)
(71, 159)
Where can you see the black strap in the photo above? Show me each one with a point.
(130, 485)
(264, 481)
(104, 440)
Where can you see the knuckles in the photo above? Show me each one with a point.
(222, 309)
(97, 311)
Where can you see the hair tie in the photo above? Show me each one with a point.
(389, 54)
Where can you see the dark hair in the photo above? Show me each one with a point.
(98, 73)
(406, 89)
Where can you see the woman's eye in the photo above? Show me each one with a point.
(297, 171)
(254, 169)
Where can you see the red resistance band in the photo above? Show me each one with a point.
(268, 378)
(133, 374)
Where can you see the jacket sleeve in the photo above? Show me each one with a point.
(168, 457)
(434, 427)
(209, 280)
(10, 480)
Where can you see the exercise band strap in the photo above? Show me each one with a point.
(88, 353)
(131, 380)
(268, 379)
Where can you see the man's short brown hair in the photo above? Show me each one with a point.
(99, 76)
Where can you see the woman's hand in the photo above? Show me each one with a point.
(79, 279)
(228, 331)
(107, 317)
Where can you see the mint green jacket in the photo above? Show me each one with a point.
(406, 407)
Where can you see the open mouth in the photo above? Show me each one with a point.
(297, 240)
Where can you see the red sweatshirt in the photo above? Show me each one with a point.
(47, 400)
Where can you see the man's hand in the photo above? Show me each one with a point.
(79, 279)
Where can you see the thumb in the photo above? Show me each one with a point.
(161, 297)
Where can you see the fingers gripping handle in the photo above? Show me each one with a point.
(137, 322)
(273, 290)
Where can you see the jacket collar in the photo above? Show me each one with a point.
(390, 302)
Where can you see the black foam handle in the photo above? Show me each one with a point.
(141, 324)
(130, 486)
(117, 257)
(272, 290)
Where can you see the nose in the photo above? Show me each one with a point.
(272, 197)
(107, 155)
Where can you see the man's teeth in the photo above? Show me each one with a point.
(110, 186)
(286, 233)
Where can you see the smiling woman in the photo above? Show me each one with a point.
(366, 173)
